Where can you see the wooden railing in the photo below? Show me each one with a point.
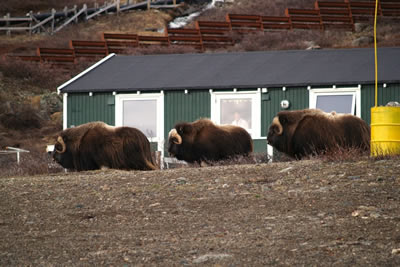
(55, 21)
(217, 34)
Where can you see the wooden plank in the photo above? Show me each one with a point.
(276, 26)
(54, 51)
(84, 43)
(5, 19)
(120, 36)
(298, 11)
(331, 4)
(101, 10)
(274, 19)
(84, 8)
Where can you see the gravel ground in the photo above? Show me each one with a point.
(309, 212)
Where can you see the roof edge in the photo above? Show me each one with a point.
(84, 72)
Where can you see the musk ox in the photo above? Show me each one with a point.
(306, 132)
(95, 145)
(202, 140)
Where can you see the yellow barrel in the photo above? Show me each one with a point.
(385, 131)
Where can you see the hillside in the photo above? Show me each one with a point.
(305, 213)
(30, 109)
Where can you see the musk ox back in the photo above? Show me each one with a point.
(94, 145)
(202, 140)
(301, 133)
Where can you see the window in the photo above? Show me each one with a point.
(341, 100)
(142, 111)
(241, 109)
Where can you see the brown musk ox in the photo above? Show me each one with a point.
(94, 145)
(204, 141)
(307, 132)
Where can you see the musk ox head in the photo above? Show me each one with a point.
(282, 129)
(180, 136)
(62, 154)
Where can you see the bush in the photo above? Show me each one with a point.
(45, 75)
(27, 118)
(33, 163)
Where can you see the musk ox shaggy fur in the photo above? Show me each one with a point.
(306, 132)
(202, 140)
(95, 145)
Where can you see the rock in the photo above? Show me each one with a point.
(359, 27)
(354, 177)
(366, 212)
(207, 257)
(393, 104)
(396, 251)
(363, 40)
(286, 170)
(181, 180)
(35, 102)
(57, 117)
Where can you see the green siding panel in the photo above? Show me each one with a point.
(298, 98)
(385, 95)
(179, 106)
(83, 108)
(260, 145)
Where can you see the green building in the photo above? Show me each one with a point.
(154, 92)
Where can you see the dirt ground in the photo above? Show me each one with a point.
(309, 213)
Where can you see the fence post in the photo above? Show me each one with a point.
(118, 6)
(66, 11)
(148, 4)
(75, 11)
(85, 7)
(53, 14)
(30, 23)
(7, 16)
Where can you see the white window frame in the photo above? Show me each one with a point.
(159, 97)
(354, 91)
(255, 97)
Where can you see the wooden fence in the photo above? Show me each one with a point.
(217, 34)
(55, 21)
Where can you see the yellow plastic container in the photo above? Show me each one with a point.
(385, 131)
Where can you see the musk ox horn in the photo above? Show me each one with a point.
(64, 147)
(279, 125)
(174, 134)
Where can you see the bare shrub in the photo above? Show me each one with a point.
(45, 75)
(26, 118)
(33, 163)
(340, 154)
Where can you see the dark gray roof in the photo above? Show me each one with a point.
(239, 70)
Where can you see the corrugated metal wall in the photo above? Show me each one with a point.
(83, 108)
(179, 106)
(385, 95)
(270, 103)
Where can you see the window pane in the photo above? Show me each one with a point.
(236, 112)
(141, 114)
(338, 103)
